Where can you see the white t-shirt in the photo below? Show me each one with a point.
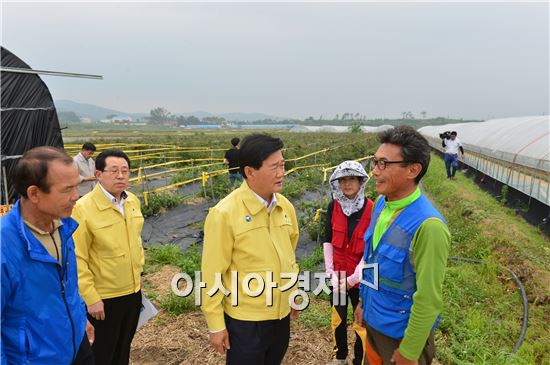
(452, 147)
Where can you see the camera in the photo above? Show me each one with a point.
(445, 135)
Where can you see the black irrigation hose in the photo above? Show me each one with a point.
(518, 282)
(523, 297)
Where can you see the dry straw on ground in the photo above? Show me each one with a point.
(183, 339)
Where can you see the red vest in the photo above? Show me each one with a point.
(348, 253)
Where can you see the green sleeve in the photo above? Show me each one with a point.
(430, 248)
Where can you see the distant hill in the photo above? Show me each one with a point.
(97, 112)
(91, 111)
(84, 110)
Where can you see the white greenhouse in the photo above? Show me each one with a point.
(514, 151)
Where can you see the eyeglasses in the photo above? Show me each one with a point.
(116, 172)
(381, 164)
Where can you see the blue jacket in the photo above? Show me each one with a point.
(388, 308)
(43, 315)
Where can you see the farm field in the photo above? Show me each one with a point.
(179, 175)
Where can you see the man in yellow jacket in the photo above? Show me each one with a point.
(250, 240)
(110, 257)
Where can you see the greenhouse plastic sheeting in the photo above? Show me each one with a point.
(514, 151)
(28, 115)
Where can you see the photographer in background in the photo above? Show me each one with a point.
(452, 145)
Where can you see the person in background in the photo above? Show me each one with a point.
(253, 230)
(110, 257)
(86, 168)
(348, 217)
(231, 159)
(406, 246)
(43, 316)
(452, 146)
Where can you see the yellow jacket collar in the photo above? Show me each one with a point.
(251, 202)
(100, 199)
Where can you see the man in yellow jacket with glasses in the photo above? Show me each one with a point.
(250, 240)
(110, 257)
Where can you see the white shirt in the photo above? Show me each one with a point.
(118, 204)
(269, 206)
(86, 168)
(452, 147)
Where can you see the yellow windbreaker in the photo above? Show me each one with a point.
(240, 236)
(108, 246)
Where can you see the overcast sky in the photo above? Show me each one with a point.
(463, 60)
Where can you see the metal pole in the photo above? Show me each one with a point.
(49, 73)
(142, 178)
(319, 229)
(212, 187)
(6, 194)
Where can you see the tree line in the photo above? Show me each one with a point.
(161, 116)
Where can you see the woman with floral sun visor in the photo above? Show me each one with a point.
(348, 217)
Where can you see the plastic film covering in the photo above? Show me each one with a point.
(28, 118)
(514, 151)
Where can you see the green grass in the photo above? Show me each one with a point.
(177, 305)
(482, 313)
(219, 186)
(307, 221)
(188, 262)
(313, 261)
(317, 315)
(170, 254)
(183, 175)
(159, 202)
(296, 183)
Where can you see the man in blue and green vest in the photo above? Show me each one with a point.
(406, 250)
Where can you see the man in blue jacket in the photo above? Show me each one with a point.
(408, 242)
(43, 316)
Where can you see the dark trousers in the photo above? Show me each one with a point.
(113, 336)
(257, 342)
(451, 160)
(84, 356)
(384, 347)
(340, 330)
(234, 178)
